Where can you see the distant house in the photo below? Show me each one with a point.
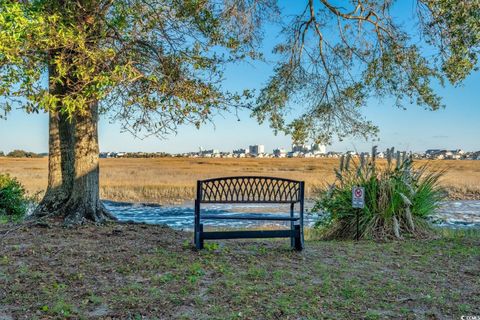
(333, 154)
(441, 154)
(472, 155)
(240, 151)
(111, 154)
(280, 152)
(432, 153)
(380, 155)
(319, 149)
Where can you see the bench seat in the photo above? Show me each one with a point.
(251, 216)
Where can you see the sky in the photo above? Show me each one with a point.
(455, 127)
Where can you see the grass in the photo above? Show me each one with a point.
(172, 180)
(135, 271)
(398, 199)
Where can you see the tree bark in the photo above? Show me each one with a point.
(73, 190)
(60, 166)
(84, 202)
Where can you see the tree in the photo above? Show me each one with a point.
(21, 154)
(337, 55)
(154, 64)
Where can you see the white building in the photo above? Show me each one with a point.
(319, 149)
(256, 149)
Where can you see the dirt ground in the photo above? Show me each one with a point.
(153, 272)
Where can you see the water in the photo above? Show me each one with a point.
(181, 217)
(457, 214)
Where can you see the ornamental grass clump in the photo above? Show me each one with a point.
(398, 198)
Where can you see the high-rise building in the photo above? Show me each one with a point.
(256, 149)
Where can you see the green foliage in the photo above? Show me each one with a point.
(398, 199)
(152, 64)
(334, 59)
(13, 202)
(155, 65)
(454, 27)
(22, 154)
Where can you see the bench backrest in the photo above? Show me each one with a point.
(250, 189)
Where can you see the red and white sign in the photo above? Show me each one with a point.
(358, 197)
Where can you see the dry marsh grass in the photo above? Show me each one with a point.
(172, 180)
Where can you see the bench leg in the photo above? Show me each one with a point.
(199, 237)
(292, 225)
(298, 238)
(292, 238)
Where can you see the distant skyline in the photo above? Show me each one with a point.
(414, 129)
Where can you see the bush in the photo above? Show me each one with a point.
(23, 154)
(398, 199)
(13, 202)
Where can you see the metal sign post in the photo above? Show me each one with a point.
(358, 202)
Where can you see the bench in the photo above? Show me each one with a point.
(235, 190)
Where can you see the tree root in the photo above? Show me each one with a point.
(76, 213)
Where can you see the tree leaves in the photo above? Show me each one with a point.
(152, 64)
(334, 60)
(155, 64)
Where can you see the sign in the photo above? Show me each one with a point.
(358, 197)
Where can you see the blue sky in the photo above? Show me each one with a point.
(414, 129)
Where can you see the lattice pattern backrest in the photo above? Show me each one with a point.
(249, 189)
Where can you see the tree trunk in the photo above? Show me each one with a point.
(73, 179)
(73, 169)
(84, 202)
(60, 166)
(60, 155)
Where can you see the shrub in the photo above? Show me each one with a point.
(398, 198)
(22, 154)
(13, 202)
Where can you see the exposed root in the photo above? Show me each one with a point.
(74, 211)
(77, 212)
(51, 205)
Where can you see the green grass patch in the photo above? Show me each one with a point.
(150, 272)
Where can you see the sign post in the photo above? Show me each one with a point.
(358, 202)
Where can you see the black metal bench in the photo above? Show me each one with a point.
(251, 190)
